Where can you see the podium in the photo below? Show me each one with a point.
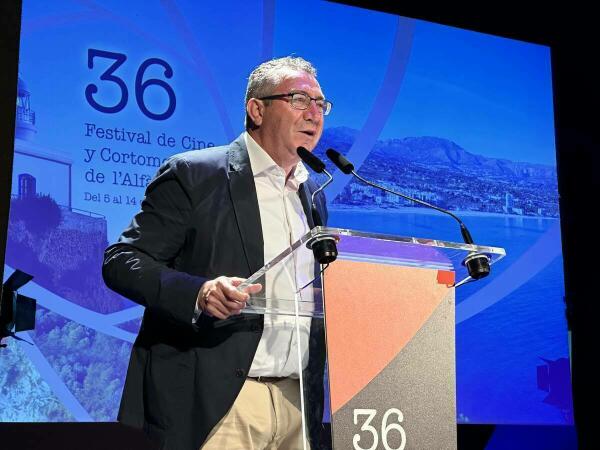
(386, 305)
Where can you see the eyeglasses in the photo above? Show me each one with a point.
(301, 100)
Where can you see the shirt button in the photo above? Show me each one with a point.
(240, 373)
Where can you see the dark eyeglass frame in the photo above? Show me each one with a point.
(325, 109)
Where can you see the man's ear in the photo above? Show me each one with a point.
(255, 109)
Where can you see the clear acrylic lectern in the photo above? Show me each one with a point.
(386, 307)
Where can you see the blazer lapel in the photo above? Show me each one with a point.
(245, 204)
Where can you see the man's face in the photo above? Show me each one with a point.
(283, 128)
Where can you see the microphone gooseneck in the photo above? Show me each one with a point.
(318, 166)
(325, 248)
(478, 264)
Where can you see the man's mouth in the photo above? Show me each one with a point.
(308, 132)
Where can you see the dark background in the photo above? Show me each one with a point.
(570, 29)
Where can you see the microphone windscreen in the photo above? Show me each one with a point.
(310, 160)
(340, 161)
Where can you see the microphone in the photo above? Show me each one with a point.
(478, 264)
(319, 167)
(324, 248)
(312, 161)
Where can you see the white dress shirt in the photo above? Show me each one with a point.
(283, 222)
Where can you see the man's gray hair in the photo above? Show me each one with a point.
(267, 76)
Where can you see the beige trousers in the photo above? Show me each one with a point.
(265, 416)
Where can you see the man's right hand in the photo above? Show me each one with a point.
(220, 298)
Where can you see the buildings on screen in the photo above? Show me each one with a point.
(37, 169)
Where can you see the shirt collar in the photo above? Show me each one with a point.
(261, 161)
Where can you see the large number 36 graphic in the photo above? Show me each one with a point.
(385, 429)
(140, 85)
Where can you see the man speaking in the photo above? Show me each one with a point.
(202, 373)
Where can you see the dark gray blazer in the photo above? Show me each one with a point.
(200, 219)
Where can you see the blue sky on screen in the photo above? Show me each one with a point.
(490, 95)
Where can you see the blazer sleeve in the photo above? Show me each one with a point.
(140, 265)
